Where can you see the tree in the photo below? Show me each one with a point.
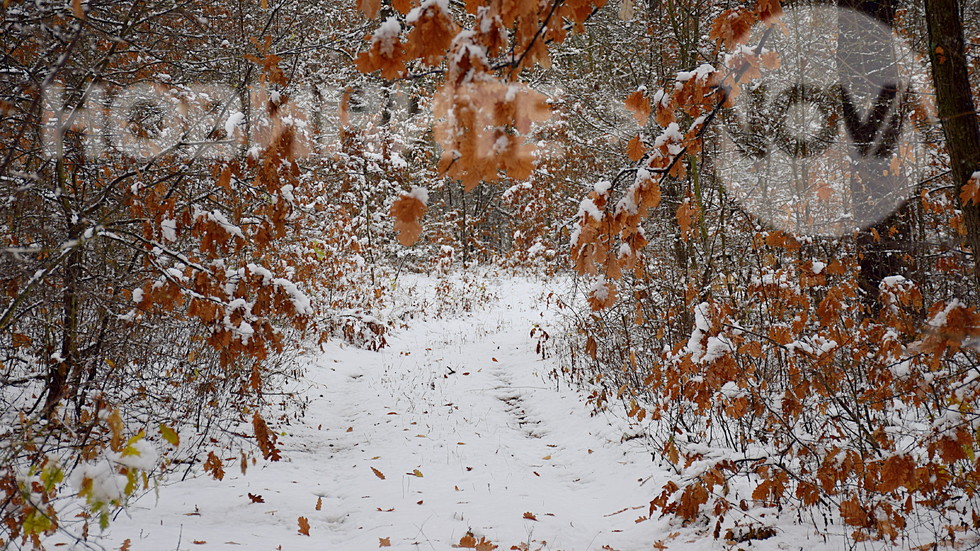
(954, 100)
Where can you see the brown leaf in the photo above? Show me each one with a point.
(971, 192)
(686, 214)
(265, 438)
(433, 33)
(602, 296)
(402, 6)
(319, 503)
(214, 466)
(116, 427)
(384, 542)
(304, 526)
(369, 7)
(256, 498)
(407, 210)
(378, 473)
(639, 105)
(635, 149)
(530, 516)
(76, 8)
(470, 542)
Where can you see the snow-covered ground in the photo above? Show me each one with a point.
(455, 427)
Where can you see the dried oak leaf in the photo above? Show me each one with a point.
(304, 526)
(384, 542)
(387, 53)
(469, 541)
(639, 105)
(256, 498)
(635, 149)
(214, 466)
(732, 27)
(265, 438)
(407, 210)
(432, 34)
(369, 7)
(971, 191)
(686, 214)
(602, 296)
(402, 6)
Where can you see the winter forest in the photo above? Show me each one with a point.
(529, 275)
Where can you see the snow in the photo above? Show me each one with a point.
(588, 206)
(387, 35)
(419, 193)
(219, 218)
(168, 229)
(300, 301)
(670, 134)
(701, 73)
(471, 431)
(234, 120)
(416, 13)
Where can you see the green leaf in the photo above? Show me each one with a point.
(169, 435)
(130, 449)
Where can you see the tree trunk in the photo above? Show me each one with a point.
(957, 111)
(867, 69)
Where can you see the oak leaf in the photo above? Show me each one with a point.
(469, 541)
(602, 296)
(384, 542)
(304, 526)
(971, 191)
(635, 149)
(686, 214)
(402, 6)
(387, 53)
(732, 27)
(369, 7)
(265, 438)
(214, 466)
(639, 105)
(432, 33)
(407, 210)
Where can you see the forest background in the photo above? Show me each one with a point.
(191, 190)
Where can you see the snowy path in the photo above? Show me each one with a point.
(469, 432)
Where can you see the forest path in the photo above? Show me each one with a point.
(470, 433)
